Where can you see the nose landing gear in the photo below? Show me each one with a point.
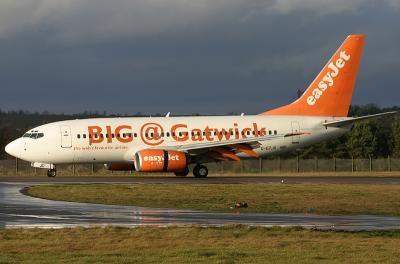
(52, 173)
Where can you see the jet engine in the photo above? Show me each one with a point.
(158, 160)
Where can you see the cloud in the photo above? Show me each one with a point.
(88, 20)
(322, 7)
(154, 54)
(78, 19)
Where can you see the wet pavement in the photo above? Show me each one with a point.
(19, 210)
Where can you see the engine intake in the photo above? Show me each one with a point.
(158, 160)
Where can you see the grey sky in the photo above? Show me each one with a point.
(187, 56)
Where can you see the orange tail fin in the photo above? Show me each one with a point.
(331, 91)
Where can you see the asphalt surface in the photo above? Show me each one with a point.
(208, 180)
(21, 211)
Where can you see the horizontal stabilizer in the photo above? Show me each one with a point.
(352, 120)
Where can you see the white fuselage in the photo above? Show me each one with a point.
(118, 139)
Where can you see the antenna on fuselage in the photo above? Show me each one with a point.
(168, 114)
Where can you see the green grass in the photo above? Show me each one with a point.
(229, 244)
(262, 198)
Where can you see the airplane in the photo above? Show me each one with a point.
(171, 144)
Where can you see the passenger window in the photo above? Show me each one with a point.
(78, 136)
(275, 132)
(123, 135)
(101, 135)
(84, 135)
(167, 134)
(112, 135)
(90, 135)
(33, 135)
(248, 133)
(135, 135)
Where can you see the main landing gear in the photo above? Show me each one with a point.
(200, 171)
(183, 173)
(52, 173)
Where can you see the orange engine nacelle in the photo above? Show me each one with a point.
(158, 160)
(120, 166)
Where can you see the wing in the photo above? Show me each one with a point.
(227, 149)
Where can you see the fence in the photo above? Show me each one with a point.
(260, 166)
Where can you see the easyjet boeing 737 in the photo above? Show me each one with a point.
(170, 144)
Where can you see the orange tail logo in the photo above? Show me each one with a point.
(331, 91)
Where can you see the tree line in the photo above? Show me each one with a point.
(376, 138)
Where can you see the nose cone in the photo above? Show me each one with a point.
(12, 148)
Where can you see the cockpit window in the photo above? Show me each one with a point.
(34, 135)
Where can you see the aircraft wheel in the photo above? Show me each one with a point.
(51, 173)
(183, 173)
(200, 171)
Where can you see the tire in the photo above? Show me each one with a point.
(51, 173)
(183, 173)
(200, 171)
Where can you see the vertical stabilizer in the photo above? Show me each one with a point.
(331, 91)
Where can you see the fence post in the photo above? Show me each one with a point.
(352, 163)
(280, 164)
(260, 161)
(297, 163)
(241, 166)
(92, 169)
(389, 163)
(370, 163)
(73, 169)
(16, 166)
(35, 171)
(334, 163)
(316, 163)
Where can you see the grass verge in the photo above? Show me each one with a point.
(229, 244)
(262, 198)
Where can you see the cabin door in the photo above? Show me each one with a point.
(66, 138)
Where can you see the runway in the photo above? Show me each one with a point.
(20, 211)
(208, 180)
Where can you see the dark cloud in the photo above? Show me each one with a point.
(209, 57)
